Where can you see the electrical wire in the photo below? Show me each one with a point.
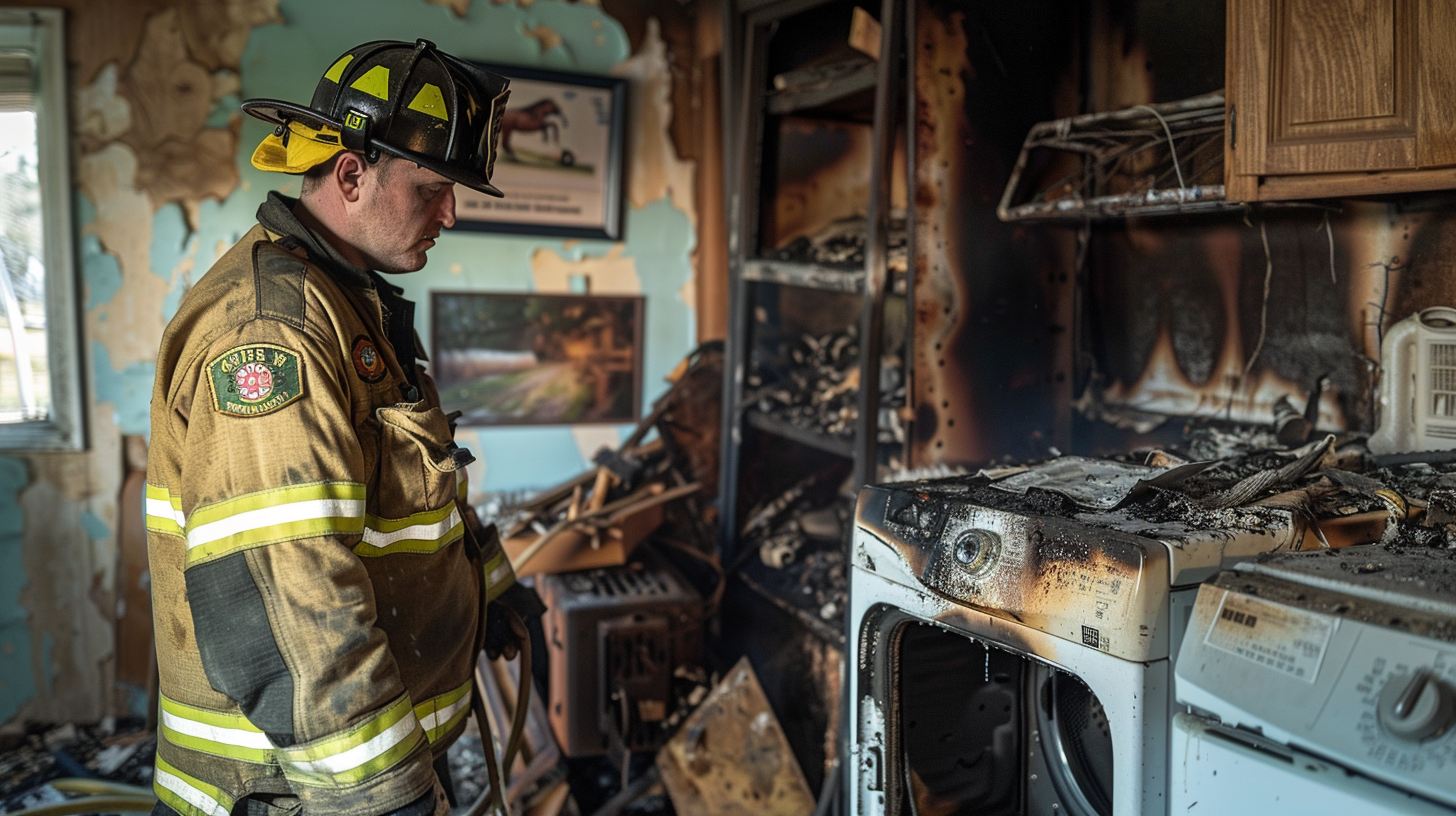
(1264, 311)
(1172, 150)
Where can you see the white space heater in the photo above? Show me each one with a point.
(1418, 384)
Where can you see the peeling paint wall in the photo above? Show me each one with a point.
(164, 187)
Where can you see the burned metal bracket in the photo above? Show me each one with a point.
(1144, 160)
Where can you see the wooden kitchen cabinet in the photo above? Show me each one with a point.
(1333, 98)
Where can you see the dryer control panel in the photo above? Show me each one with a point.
(1096, 587)
(1368, 685)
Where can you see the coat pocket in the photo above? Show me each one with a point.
(420, 467)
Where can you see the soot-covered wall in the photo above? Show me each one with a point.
(1094, 338)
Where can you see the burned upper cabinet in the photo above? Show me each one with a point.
(1330, 99)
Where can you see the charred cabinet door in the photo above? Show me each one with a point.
(1340, 97)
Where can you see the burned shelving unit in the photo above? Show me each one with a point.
(815, 372)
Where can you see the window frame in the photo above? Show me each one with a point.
(65, 428)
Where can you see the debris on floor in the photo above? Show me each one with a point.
(115, 751)
(731, 757)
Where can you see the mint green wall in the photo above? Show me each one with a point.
(285, 61)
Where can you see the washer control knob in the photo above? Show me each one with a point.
(1415, 706)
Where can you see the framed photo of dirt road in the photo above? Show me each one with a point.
(532, 359)
(560, 158)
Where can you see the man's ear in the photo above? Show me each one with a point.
(348, 172)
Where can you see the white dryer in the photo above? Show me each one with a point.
(1321, 683)
(1010, 649)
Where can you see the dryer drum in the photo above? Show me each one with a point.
(962, 718)
(1077, 741)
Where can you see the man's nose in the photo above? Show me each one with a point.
(447, 207)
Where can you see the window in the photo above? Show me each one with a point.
(40, 395)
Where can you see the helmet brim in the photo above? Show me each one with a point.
(279, 112)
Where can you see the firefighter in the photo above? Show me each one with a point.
(320, 584)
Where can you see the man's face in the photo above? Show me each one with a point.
(402, 208)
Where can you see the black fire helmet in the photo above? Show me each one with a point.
(411, 101)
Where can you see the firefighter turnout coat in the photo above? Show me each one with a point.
(318, 581)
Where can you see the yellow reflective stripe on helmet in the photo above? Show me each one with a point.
(375, 82)
(187, 795)
(336, 71)
(498, 576)
(357, 754)
(163, 511)
(430, 101)
(425, 532)
(213, 732)
(438, 715)
(270, 516)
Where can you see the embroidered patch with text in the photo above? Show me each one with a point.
(367, 360)
(255, 379)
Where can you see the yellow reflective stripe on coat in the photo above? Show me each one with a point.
(357, 754)
(498, 576)
(187, 795)
(274, 515)
(163, 511)
(213, 732)
(425, 532)
(462, 485)
(438, 715)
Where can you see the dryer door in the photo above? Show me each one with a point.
(985, 731)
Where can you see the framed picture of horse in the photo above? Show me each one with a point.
(510, 358)
(560, 158)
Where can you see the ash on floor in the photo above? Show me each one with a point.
(113, 750)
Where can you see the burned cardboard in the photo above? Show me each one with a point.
(731, 757)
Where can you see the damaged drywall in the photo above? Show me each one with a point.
(164, 186)
(147, 79)
(655, 169)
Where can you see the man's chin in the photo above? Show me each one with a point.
(413, 262)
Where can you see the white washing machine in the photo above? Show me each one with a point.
(1321, 683)
(1011, 650)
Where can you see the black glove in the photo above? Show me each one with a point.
(504, 632)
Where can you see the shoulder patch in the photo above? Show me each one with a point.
(255, 379)
(279, 278)
(368, 363)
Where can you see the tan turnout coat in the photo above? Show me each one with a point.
(317, 578)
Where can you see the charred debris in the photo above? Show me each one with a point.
(655, 493)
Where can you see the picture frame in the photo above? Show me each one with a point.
(514, 358)
(560, 158)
